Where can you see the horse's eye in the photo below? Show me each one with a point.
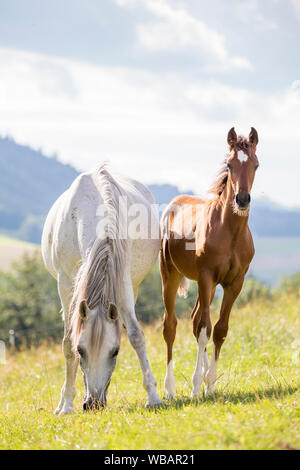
(229, 166)
(80, 351)
(115, 352)
(256, 166)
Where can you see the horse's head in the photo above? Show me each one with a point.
(242, 163)
(97, 342)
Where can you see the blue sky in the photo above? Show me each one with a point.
(154, 85)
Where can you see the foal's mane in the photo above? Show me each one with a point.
(219, 184)
(99, 278)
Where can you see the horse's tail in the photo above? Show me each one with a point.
(183, 287)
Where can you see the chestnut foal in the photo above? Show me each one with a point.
(209, 241)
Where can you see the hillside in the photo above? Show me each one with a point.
(31, 182)
(12, 250)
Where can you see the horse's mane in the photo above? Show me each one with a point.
(219, 184)
(99, 278)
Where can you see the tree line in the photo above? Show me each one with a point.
(30, 307)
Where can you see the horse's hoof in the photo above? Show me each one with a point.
(170, 395)
(209, 392)
(66, 410)
(155, 403)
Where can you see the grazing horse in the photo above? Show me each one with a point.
(208, 241)
(99, 260)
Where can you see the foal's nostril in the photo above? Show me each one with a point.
(244, 200)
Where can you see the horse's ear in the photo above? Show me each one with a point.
(112, 312)
(253, 137)
(231, 138)
(83, 310)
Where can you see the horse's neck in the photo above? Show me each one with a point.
(236, 224)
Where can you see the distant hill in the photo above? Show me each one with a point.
(31, 182)
(12, 250)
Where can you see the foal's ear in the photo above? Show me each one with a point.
(112, 312)
(231, 138)
(253, 137)
(83, 310)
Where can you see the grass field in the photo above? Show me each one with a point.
(257, 405)
(12, 250)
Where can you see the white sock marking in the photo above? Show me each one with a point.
(200, 364)
(211, 375)
(170, 380)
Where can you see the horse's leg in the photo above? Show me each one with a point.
(206, 361)
(65, 405)
(201, 330)
(137, 340)
(170, 282)
(220, 331)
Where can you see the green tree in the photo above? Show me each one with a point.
(253, 290)
(29, 303)
(290, 285)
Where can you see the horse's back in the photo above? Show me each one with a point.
(69, 229)
(71, 226)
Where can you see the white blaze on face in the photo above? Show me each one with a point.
(243, 157)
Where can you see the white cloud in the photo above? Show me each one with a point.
(157, 128)
(296, 5)
(249, 11)
(178, 30)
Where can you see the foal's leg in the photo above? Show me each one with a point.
(65, 405)
(206, 361)
(202, 331)
(137, 340)
(220, 331)
(170, 282)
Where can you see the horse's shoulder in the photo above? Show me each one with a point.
(82, 181)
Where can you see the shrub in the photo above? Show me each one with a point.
(290, 285)
(253, 290)
(29, 303)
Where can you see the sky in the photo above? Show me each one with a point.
(153, 86)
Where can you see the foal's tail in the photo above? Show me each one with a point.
(183, 287)
(165, 228)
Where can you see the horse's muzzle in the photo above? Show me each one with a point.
(243, 199)
(94, 404)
